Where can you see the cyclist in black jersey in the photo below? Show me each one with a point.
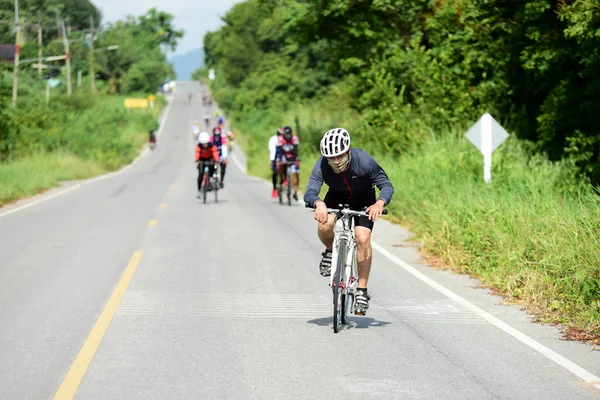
(351, 175)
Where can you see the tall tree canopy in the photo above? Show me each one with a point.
(533, 63)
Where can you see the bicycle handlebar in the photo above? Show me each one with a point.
(203, 163)
(347, 211)
(288, 162)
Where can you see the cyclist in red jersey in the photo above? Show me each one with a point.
(205, 151)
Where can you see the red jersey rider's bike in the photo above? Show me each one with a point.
(209, 182)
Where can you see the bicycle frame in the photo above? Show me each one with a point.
(209, 180)
(343, 232)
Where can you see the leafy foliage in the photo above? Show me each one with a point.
(532, 64)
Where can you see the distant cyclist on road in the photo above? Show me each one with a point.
(230, 139)
(205, 151)
(287, 150)
(351, 175)
(206, 119)
(152, 138)
(272, 145)
(219, 140)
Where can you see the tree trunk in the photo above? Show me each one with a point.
(112, 84)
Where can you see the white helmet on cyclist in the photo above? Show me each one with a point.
(203, 138)
(335, 142)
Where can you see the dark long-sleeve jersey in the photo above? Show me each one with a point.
(363, 174)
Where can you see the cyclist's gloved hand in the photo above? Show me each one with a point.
(321, 212)
(375, 210)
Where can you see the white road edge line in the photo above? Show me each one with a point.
(98, 178)
(238, 163)
(569, 365)
(520, 336)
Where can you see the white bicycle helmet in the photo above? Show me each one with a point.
(203, 138)
(335, 142)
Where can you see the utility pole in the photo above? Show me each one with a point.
(79, 73)
(67, 59)
(17, 51)
(91, 59)
(58, 24)
(39, 29)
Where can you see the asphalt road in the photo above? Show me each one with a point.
(128, 287)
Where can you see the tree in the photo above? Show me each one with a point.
(160, 25)
(139, 64)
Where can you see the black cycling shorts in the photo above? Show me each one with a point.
(356, 203)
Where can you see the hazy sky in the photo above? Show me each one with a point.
(196, 17)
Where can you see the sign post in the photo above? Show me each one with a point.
(151, 100)
(487, 134)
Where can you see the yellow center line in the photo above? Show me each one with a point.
(73, 379)
(153, 222)
(163, 205)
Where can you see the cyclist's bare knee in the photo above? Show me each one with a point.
(325, 231)
(328, 226)
(363, 238)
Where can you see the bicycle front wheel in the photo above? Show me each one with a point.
(339, 297)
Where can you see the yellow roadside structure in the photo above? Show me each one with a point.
(136, 103)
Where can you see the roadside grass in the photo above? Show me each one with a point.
(100, 139)
(30, 175)
(533, 234)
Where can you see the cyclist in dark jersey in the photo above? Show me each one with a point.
(219, 140)
(351, 175)
(287, 151)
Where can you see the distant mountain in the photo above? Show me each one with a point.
(185, 64)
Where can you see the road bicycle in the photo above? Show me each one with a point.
(209, 182)
(344, 264)
(285, 186)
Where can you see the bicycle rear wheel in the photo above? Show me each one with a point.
(346, 303)
(216, 189)
(280, 192)
(289, 187)
(205, 183)
(339, 297)
(216, 184)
